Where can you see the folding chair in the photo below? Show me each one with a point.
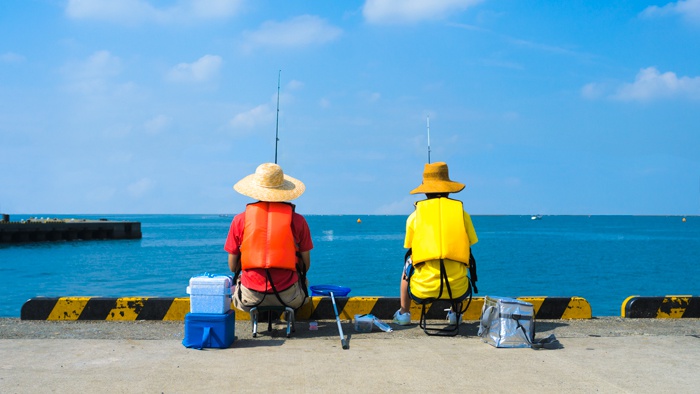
(455, 301)
(288, 316)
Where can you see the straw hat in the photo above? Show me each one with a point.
(436, 179)
(269, 183)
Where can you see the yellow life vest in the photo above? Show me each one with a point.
(439, 238)
(268, 241)
(439, 231)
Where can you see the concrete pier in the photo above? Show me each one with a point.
(608, 355)
(40, 230)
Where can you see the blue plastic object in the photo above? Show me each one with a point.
(209, 330)
(324, 290)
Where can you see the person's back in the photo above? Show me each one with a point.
(439, 235)
(269, 244)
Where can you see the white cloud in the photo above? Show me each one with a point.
(407, 11)
(117, 131)
(543, 47)
(295, 85)
(101, 64)
(121, 158)
(142, 11)
(400, 207)
(511, 182)
(140, 187)
(10, 57)
(371, 97)
(296, 32)
(100, 194)
(125, 10)
(688, 9)
(593, 90)
(648, 85)
(93, 74)
(212, 9)
(156, 124)
(204, 69)
(253, 117)
(651, 84)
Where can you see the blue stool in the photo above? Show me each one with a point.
(288, 316)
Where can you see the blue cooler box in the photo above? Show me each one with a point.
(209, 330)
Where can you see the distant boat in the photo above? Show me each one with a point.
(536, 217)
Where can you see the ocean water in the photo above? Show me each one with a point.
(604, 259)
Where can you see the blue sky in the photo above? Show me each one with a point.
(160, 106)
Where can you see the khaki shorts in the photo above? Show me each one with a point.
(293, 297)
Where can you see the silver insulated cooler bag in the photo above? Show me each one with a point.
(507, 322)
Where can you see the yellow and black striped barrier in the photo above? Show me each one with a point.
(103, 308)
(319, 308)
(667, 307)
(385, 307)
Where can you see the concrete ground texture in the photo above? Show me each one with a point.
(610, 355)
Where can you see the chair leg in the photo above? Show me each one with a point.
(294, 320)
(254, 319)
(289, 316)
(449, 330)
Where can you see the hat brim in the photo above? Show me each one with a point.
(439, 187)
(290, 189)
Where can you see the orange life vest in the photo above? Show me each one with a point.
(268, 241)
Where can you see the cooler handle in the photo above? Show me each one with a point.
(206, 333)
(205, 336)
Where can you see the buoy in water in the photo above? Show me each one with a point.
(682, 220)
(358, 220)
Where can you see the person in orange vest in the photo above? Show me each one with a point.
(439, 236)
(269, 244)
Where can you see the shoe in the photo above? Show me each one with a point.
(452, 317)
(551, 342)
(402, 319)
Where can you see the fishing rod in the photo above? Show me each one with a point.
(428, 119)
(277, 122)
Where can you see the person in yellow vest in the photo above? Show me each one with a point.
(439, 229)
(269, 243)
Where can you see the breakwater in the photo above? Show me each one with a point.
(50, 229)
